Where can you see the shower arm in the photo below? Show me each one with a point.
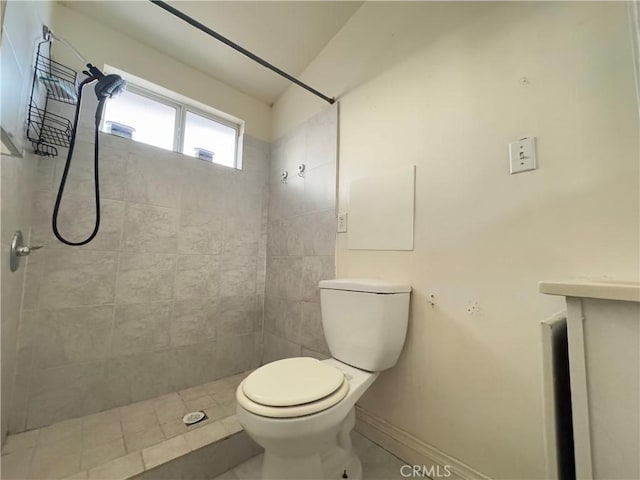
(235, 46)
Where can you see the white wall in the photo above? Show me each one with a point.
(418, 88)
(21, 31)
(102, 45)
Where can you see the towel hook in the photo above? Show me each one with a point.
(283, 176)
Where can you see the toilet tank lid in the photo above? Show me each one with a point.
(369, 285)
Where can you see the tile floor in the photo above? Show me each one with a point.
(124, 441)
(377, 463)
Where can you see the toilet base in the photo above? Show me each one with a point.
(353, 470)
(334, 462)
(311, 468)
(316, 446)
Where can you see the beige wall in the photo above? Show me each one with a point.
(102, 45)
(449, 100)
(375, 38)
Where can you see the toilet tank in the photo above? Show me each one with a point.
(365, 321)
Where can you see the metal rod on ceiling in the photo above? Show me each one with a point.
(240, 49)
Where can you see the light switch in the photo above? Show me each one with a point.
(522, 155)
(342, 223)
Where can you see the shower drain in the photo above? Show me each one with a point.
(193, 417)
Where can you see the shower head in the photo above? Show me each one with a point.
(108, 85)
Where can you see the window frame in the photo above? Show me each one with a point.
(181, 109)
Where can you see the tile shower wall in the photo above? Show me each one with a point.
(301, 237)
(168, 295)
(18, 183)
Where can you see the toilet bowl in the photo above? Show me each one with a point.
(310, 437)
(302, 410)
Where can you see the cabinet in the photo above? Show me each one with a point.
(603, 328)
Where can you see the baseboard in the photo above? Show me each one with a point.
(412, 450)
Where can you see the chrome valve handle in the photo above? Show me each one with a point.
(19, 250)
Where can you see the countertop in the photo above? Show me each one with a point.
(626, 291)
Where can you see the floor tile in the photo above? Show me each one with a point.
(101, 428)
(225, 396)
(216, 412)
(192, 393)
(102, 453)
(360, 443)
(78, 476)
(169, 407)
(229, 407)
(67, 431)
(378, 464)
(15, 465)
(55, 467)
(231, 424)
(119, 469)
(20, 441)
(200, 403)
(251, 469)
(144, 438)
(173, 428)
(235, 380)
(164, 452)
(216, 387)
(200, 437)
(124, 439)
(138, 416)
(58, 449)
(166, 398)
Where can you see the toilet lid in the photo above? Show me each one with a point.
(294, 411)
(292, 381)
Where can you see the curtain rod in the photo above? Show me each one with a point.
(240, 49)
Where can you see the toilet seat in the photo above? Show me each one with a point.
(292, 387)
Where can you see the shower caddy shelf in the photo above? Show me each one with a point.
(47, 130)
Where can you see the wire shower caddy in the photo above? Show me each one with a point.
(47, 130)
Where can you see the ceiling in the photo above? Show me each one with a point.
(288, 34)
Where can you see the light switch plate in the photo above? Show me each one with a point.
(342, 223)
(522, 155)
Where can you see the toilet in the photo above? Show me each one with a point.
(302, 410)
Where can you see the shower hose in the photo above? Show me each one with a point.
(67, 165)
